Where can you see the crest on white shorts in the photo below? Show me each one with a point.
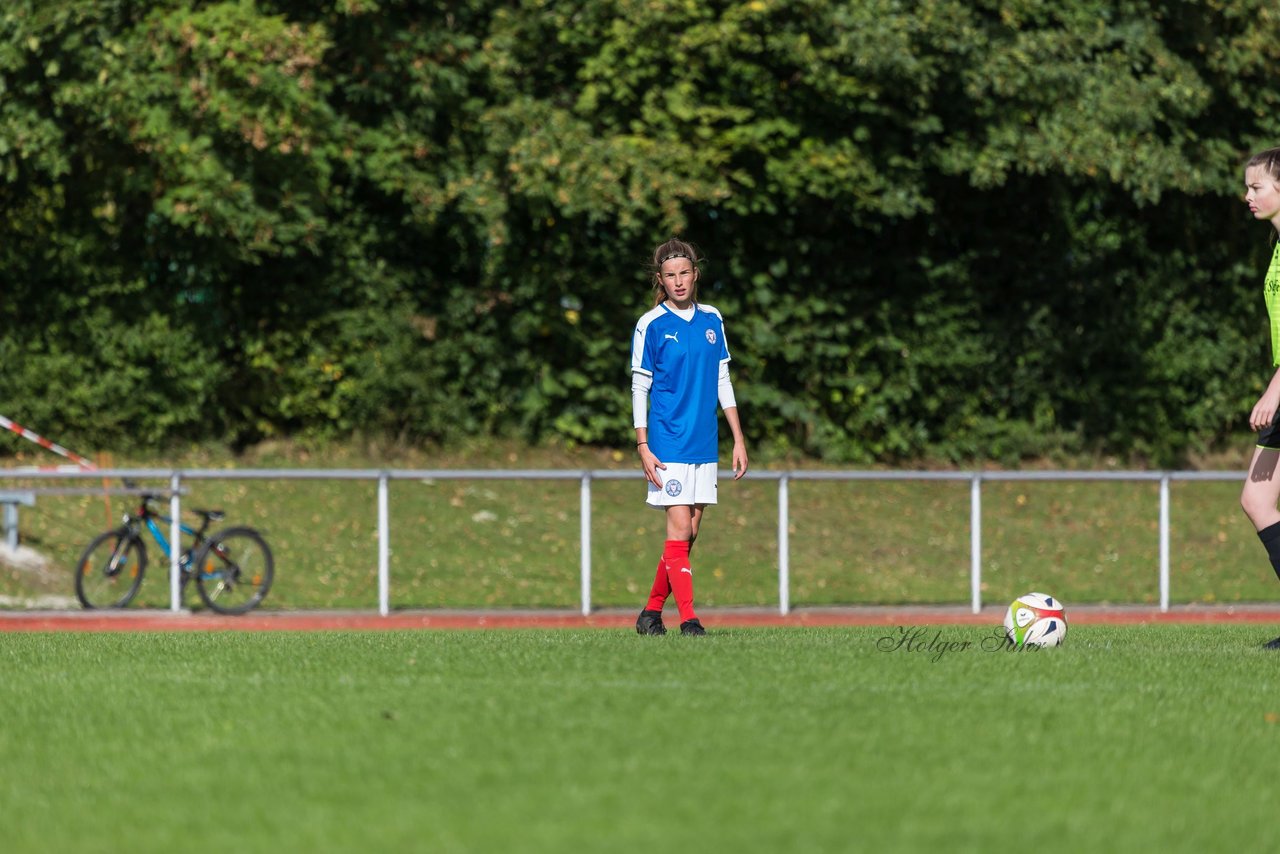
(711, 336)
(673, 487)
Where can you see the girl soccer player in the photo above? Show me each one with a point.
(1262, 488)
(679, 369)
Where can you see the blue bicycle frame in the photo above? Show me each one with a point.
(163, 541)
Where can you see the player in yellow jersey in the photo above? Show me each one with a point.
(1261, 492)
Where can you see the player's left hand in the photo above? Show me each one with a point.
(739, 460)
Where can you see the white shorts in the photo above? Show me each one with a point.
(685, 483)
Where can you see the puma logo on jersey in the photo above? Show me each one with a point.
(686, 569)
(672, 337)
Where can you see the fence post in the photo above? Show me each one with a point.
(1164, 542)
(975, 542)
(384, 548)
(175, 544)
(11, 524)
(784, 547)
(585, 522)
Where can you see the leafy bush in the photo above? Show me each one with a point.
(941, 229)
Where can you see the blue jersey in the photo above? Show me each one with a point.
(683, 357)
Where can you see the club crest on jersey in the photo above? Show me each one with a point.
(673, 487)
(711, 336)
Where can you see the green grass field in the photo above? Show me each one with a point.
(1133, 738)
(515, 544)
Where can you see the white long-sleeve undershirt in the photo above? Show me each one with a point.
(641, 383)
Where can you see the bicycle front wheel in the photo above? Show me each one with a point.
(233, 570)
(110, 570)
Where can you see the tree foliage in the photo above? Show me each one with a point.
(936, 228)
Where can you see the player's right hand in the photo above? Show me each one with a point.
(651, 465)
(1264, 411)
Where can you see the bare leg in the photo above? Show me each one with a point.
(1261, 491)
(680, 522)
(696, 521)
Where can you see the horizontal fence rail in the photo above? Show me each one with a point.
(382, 477)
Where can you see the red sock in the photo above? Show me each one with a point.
(680, 576)
(661, 588)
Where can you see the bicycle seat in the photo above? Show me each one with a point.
(211, 515)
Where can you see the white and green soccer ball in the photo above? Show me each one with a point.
(1036, 619)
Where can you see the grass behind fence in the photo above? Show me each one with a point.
(515, 543)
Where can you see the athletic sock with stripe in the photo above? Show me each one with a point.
(661, 587)
(680, 575)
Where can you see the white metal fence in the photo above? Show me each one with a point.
(176, 477)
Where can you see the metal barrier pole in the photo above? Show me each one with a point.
(585, 540)
(784, 547)
(175, 544)
(384, 548)
(1164, 542)
(11, 524)
(975, 542)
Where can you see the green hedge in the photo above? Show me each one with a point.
(943, 229)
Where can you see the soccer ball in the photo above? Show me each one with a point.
(1035, 620)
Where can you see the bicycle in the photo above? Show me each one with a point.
(235, 565)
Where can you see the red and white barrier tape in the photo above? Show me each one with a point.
(45, 443)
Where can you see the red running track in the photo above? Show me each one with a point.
(304, 621)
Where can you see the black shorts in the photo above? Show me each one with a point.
(1270, 436)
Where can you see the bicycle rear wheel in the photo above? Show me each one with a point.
(233, 570)
(110, 571)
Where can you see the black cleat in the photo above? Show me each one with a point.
(692, 627)
(650, 623)
(1274, 644)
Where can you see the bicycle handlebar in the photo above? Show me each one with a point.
(145, 496)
